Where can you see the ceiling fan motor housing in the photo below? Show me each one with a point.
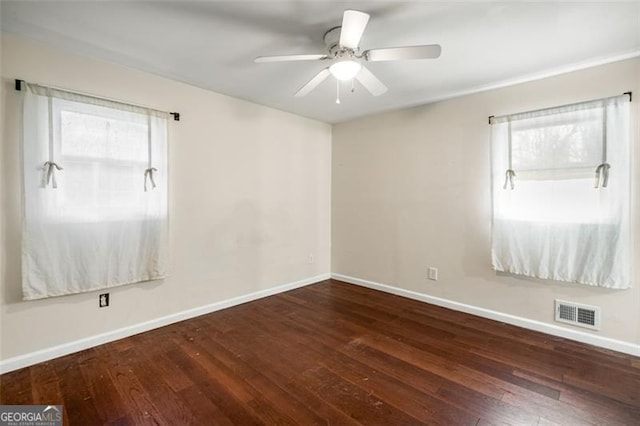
(332, 41)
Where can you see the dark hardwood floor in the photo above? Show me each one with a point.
(333, 353)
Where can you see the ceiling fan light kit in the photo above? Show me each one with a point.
(343, 45)
(345, 69)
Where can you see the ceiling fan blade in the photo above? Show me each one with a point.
(353, 25)
(371, 82)
(287, 58)
(428, 51)
(313, 83)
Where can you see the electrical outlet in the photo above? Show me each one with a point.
(311, 258)
(433, 273)
(103, 300)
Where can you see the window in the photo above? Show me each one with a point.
(561, 193)
(104, 152)
(95, 182)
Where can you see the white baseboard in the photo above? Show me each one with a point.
(32, 358)
(554, 330)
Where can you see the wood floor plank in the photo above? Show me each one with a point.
(79, 405)
(164, 399)
(610, 411)
(45, 385)
(203, 409)
(16, 388)
(250, 386)
(139, 404)
(216, 391)
(335, 353)
(281, 369)
(290, 366)
(388, 388)
(101, 388)
(354, 367)
(488, 408)
(363, 406)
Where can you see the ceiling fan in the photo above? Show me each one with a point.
(343, 45)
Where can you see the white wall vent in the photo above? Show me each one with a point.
(577, 314)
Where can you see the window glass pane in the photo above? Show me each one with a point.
(93, 136)
(562, 141)
(104, 153)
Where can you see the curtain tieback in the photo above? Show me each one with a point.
(602, 171)
(508, 179)
(149, 174)
(49, 169)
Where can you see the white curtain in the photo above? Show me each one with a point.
(561, 193)
(95, 193)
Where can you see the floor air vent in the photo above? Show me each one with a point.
(576, 314)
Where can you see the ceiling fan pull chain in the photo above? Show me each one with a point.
(337, 91)
(353, 87)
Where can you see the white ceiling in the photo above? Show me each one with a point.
(212, 44)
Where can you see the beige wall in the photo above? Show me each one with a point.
(250, 197)
(411, 189)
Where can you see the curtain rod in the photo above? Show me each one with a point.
(176, 115)
(562, 106)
